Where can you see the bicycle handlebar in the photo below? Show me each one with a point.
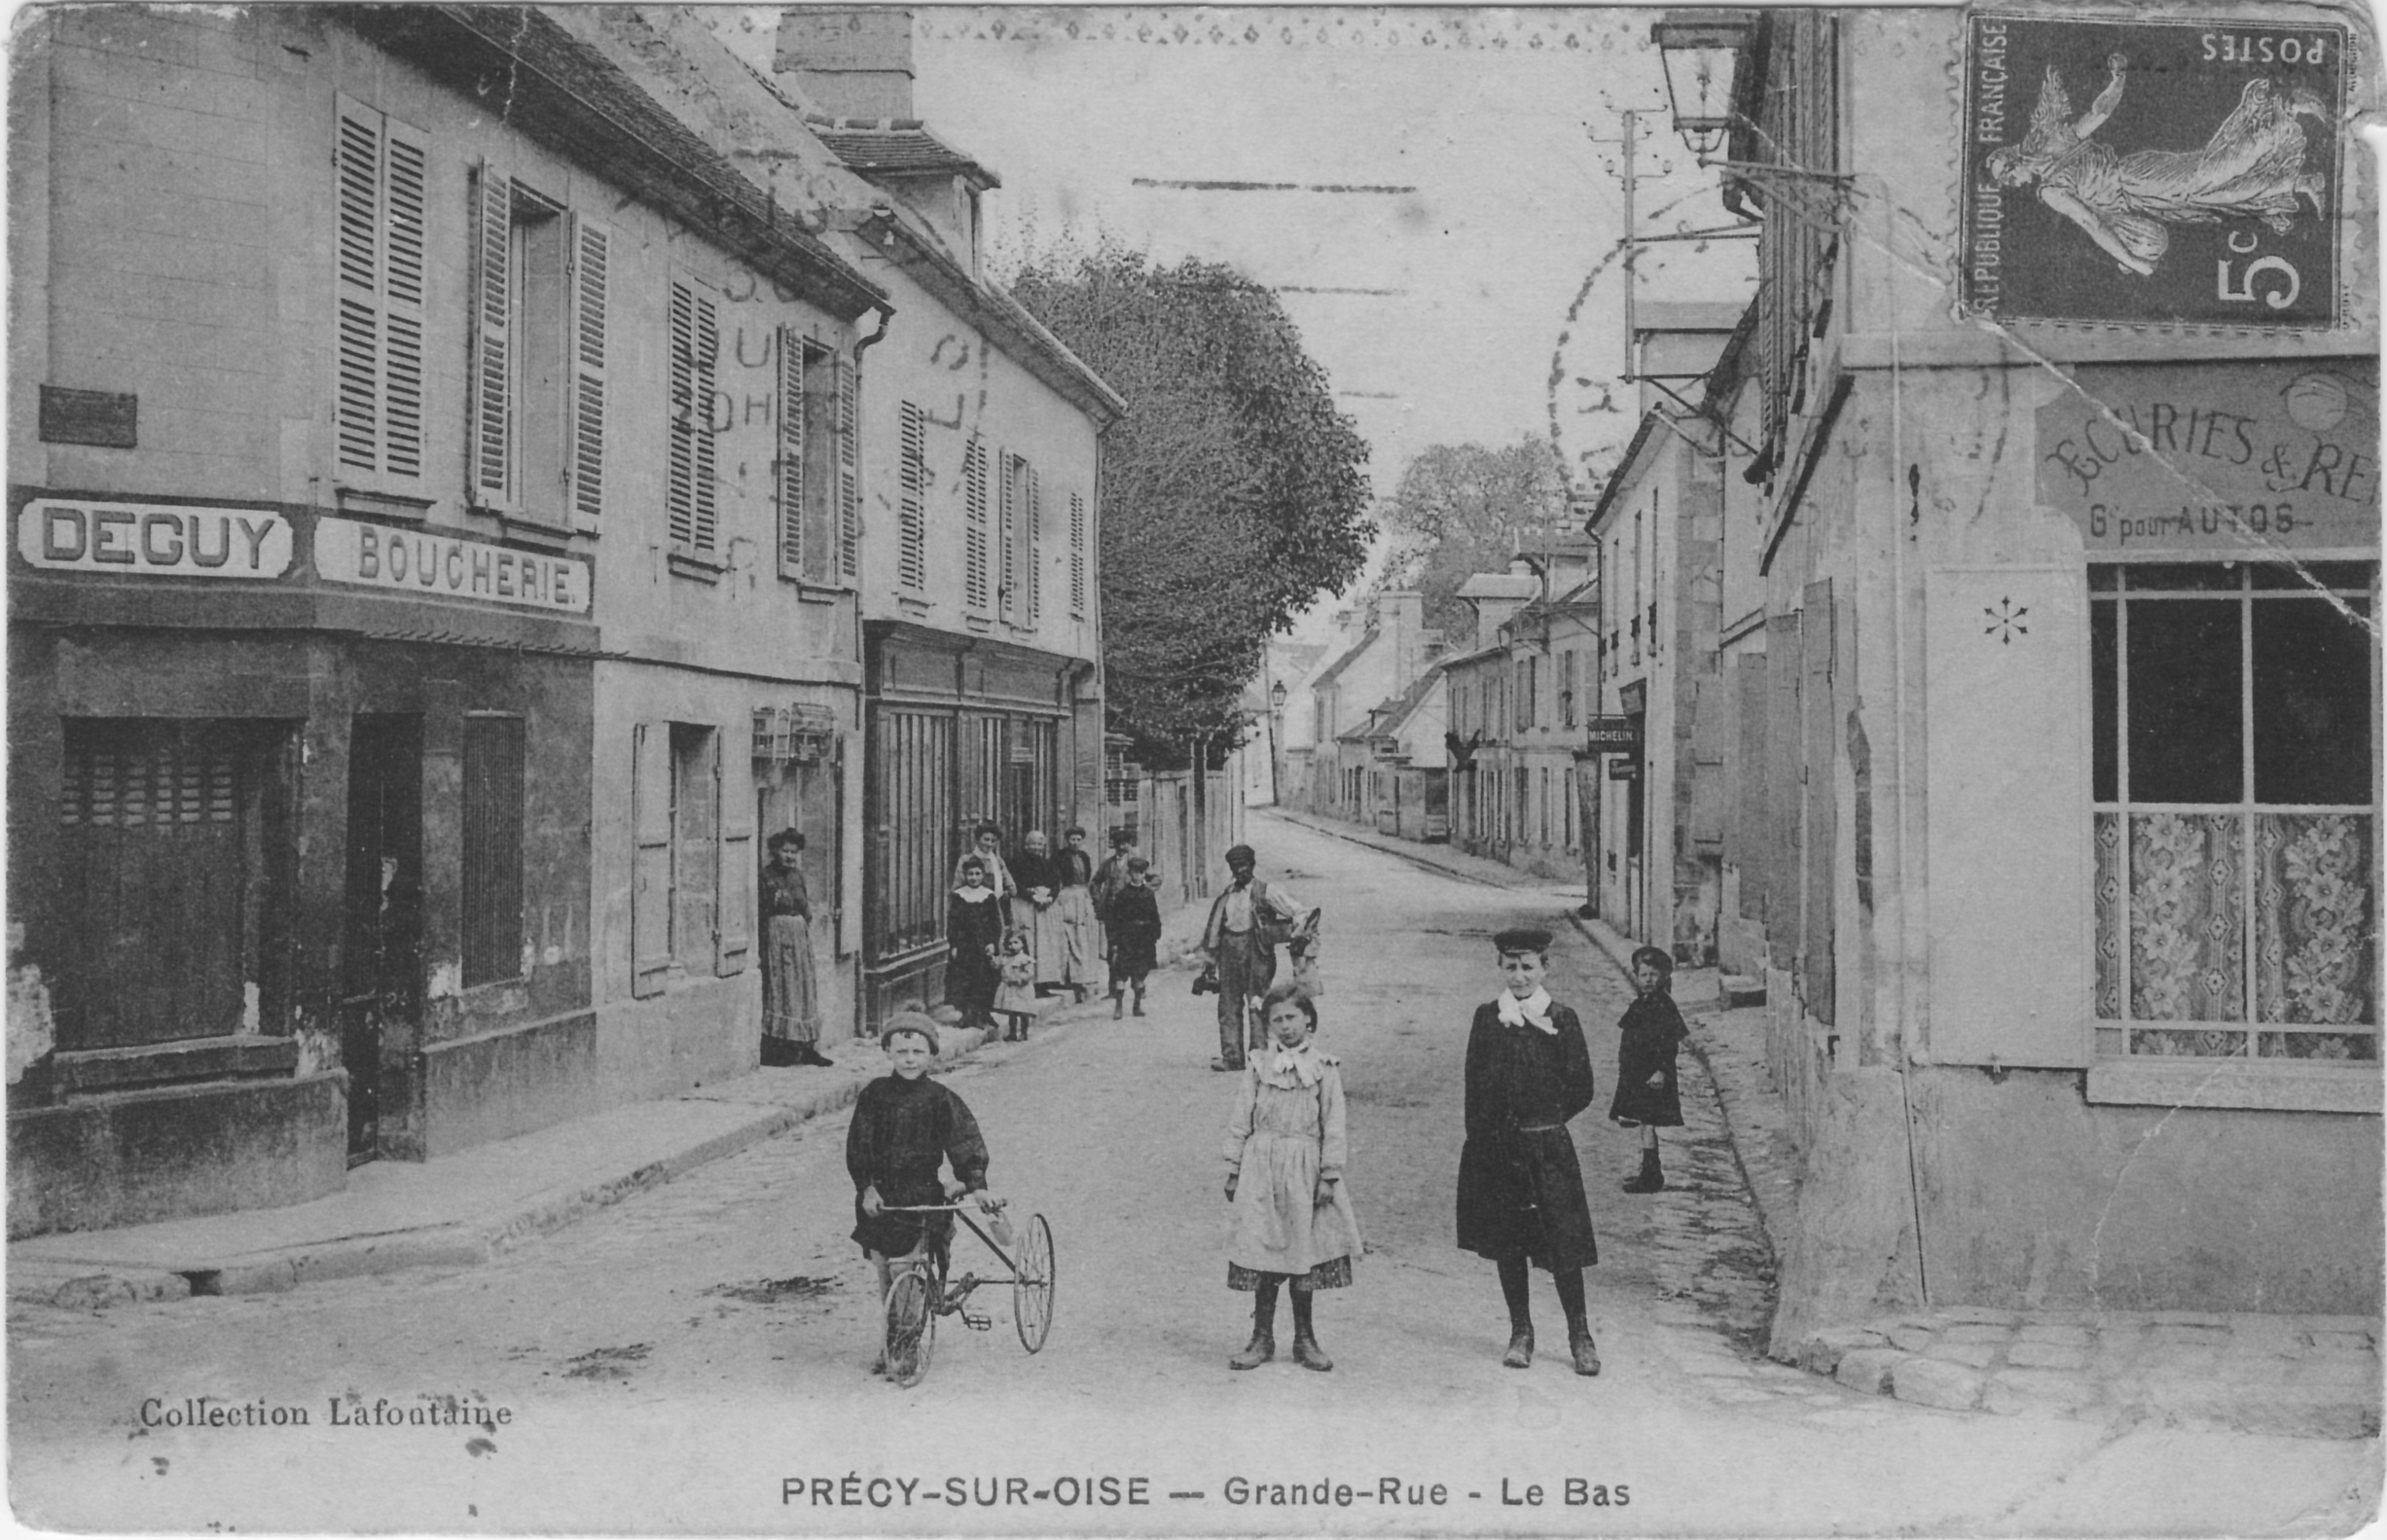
(938, 1208)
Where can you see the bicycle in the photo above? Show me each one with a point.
(922, 1291)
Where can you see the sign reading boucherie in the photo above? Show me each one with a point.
(377, 557)
(2238, 455)
(2152, 172)
(152, 540)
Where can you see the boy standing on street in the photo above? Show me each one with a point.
(1520, 1186)
(1134, 935)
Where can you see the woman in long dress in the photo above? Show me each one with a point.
(2253, 166)
(1074, 866)
(791, 1003)
(1036, 910)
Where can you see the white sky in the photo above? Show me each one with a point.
(1492, 124)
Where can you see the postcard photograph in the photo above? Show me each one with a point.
(837, 769)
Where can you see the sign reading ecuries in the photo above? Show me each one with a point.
(2134, 170)
(377, 557)
(154, 540)
(2237, 456)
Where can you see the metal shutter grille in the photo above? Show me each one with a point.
(912, 565)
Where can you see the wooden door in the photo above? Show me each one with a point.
(381, 955)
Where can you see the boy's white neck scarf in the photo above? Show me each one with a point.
(1533, 1009)
(974, 893)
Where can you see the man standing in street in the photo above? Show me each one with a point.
(1245, 924)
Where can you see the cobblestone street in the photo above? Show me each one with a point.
(673, 1357)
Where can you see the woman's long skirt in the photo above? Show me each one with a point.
(791, 1003)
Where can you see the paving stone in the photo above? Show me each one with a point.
(1981, 1316)
(2064, 1336)
(1871, 1370)
(1978, 1331)
(1979, 1355)
(2182, 1334)
(1938, 1382)
(1912, 1339)
(2018, 1392)
(2341, 1342)
(1820, 1353)
(2187, 1319)
(2047, 1356)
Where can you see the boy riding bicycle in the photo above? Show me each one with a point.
(905, 1127)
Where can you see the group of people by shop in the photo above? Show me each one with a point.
(1293, 1228)
(1029, 927)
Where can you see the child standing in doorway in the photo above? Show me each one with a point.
(1652, 1032)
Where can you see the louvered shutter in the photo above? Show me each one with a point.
(789, 468)
(974, 595)
(1006, 520)
(734, 874)
(2008, 827)
(690, 488)
(849, 472)
(650, 876)
(381, 169)
(911, 564)
(585, 466)
(1033, 544)
(1077, 554)
(493, 478)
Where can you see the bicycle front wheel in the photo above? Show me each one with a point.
(911, 1330)
(1031, 1283)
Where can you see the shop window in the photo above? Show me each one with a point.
(493, 881)
(2236, 818)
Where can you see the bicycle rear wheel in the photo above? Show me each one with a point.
(1031, 1283)
(911, 1330)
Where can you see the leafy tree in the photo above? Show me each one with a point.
(1232, 492)
(1451, 514)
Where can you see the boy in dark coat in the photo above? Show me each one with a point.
(1647, 1096)
(1520, 1187)
(905, 1127)
(1134, 935)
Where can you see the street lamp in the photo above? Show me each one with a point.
(1276, 744)
(1701, 50)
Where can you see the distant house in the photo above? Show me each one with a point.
(1377, 664)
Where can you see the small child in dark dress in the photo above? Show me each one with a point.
(1652, 1031)
(1520, 1185)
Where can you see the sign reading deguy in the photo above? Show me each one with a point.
(152, 540)
(377, 557)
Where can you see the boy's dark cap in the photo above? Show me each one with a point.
(1657, 958)
(1524, 938)
(918, 1022)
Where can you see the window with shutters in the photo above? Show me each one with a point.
(1022, 517)
(380, 179)
(849, 470)
(818, 434)
(691, 485)
(911, 556)
(696, 837)
(492, 876)
(790, 468)
(2235, 821)
(537, 380)
(1077, 555)
(977, 588)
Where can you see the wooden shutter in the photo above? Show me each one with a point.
(734, 874)
(849, 472)
(691, 489)
(1032, 543)
(974, 594)
(382, 169)
(492, 482)
(650, 875)
(789, 480)
(592, 262)
(1077, 554)
(2007, 814)
(912, 562)
(1006, 521)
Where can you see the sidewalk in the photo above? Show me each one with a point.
(462, 1209)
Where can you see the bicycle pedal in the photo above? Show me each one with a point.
(977, 1322)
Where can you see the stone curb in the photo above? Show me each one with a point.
(77, 1286)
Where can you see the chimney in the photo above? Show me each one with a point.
(853, 62)
(1400, 616)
